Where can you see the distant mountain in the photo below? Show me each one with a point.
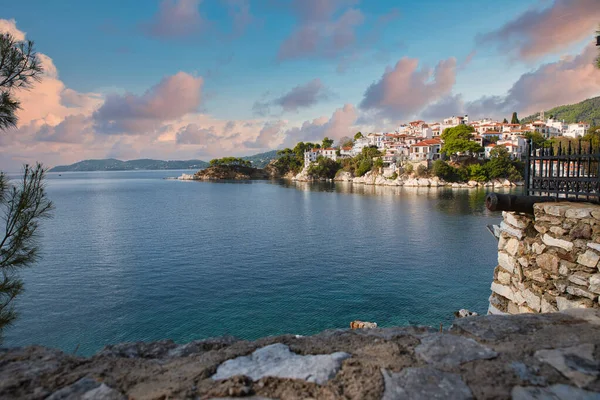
(112, 164)
(587, 111)
(262, 159)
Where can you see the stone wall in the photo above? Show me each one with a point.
(548, 262)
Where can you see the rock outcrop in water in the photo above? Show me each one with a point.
(528, 356)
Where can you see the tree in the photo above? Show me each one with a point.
(515, 119)
(23, 206)
(458, 140)
(324, 168)
(598, 58)
(537, 139)
(327, 143)
(358, 135)
(346, 142)
(19, 68)
(505, 121)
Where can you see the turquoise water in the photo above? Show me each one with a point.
(130, 256)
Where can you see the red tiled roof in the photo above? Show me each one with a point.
(427, 142)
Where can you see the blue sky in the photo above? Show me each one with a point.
(241, 53)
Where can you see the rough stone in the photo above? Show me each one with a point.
(551, 241)
(512, 308)
(554, 392)
(533, 300)
(502, 290)
(564, 268)
(576, 363)
(548, 307)
(580, 278)
(540, 228)
(277, 360)
(552, 209)
(563, 303)
(443, 350)
(88, 389)
(518, 221)
(589, 259)
(424, 384)
(507, 262)
(512, 246)
(548, 261)
(504, 277)
(595, 246)
(595, 283)
(581, 231)
(558, 231)
(538, 275)
(504, 227)
(574, 211)
(581, 292)
(527, 374)
(538, 248)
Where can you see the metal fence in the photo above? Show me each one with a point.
(563, 170)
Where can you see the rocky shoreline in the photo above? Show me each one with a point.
(527, 356)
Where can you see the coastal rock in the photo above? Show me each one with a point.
(443, 350)
(231, 172)
(87, 389)
(424, 383)
(277, 360)
(576, 363)
(554, 392)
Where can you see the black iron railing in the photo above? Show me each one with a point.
(569, 171)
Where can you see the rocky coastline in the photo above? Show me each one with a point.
(527, 356)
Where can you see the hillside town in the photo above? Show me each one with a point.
(419, 141)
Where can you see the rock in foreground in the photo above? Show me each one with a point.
(528, 356)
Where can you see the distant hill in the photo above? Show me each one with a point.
(112, 164)
(262, 159)
(587, 111)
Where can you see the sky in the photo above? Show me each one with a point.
(199, 79)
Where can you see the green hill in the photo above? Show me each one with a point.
(112, 164)
(262, 159)
(587, 111)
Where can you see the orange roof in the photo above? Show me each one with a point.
(427, 142)
(346, 148)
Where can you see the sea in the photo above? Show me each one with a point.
(132, 256)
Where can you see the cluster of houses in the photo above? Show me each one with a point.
(420, 141)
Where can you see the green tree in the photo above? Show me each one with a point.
(515, 118)
(444, 171)
(23, 205)
(19, 68)
(324, 168)
(505, 121)
(346, 142)
(358, 135)
(598, 58)
(230, 162)
(421, 171)
(327, 143)
(500, 165)
(537, 138)
(458, 140)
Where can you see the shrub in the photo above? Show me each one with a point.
(477, 173)
(409, 168)
(421, 171)
(393, 176)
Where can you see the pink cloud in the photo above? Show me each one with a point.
(176, 19)
(541, 31)
(321, 31)
(567, 81)
(342, 123)
(10, 26)
(170, 99)
(405, 89)
(270, 136)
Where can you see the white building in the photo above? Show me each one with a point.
(376, 139)
(359, 144)
(428, 149)
(312, 155)
(577, 130)
(452, 122)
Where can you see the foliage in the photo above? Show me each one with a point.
(515, 118)
(477, 172)
(23, 204)
(587, 110)
(230, 161)
(408, 169)
(500, 165)
(288, 161)
(327, 143)
(458, 140)
(593, 137)
(598, 58)
(393, 176)
(505, 121)
(378, 163)
(358, 135)
(421, 171)
(324, 168)
(362, 163)
(261, 160)
(537, 138)
(444, 171)
(19, 68)
(346, 142)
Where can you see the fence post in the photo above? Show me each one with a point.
(527, 166)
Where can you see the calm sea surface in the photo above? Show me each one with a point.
(130, 256)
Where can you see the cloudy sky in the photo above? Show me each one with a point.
(182, 79)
